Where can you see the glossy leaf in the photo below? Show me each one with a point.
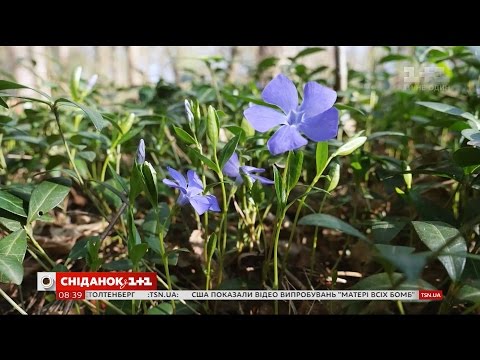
(295, 163)
(435, 234)
(182, 134)
(12, 204)
(350, 146)
(47, 195)
(228, 150)
(94, 116)
(331, 222)
(321, 155)
(447, 109)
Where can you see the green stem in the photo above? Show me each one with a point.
(67, 148)
(13, 303)
(300, 207)
(222, 244)
(315, 237)
(28, 229)
(163, 253)
(104, 167)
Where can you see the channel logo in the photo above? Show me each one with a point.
(46, 281)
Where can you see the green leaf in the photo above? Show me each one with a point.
(14, 245)
(94, 116)
(46, 196)
(10, 224)
(321, 155)
(79, 250)
(407, 176)
(349, 108)
(295, 163)
(211, 246)
(133, 234)
(350, 146)
(8, 85)
(172, 258)
(206, 160)
(151, 187)
(3, 103)
(228, 150)
(11, 270)
(381, 134)
(447, 109)
(394, 57)
(87, 155)
(331, 222)
(334, 176)
(469, 294)
(386, 230)
(118, 265)
(137, 252)
(11, 203)
(212, 126)
(401, 257)
(436, 234)
(383, 281)
(12, 253)
(136, 183)
(307, 51)
(186, 137)
(467, 156)
(278, 185)
(164, 308)
(153, 243)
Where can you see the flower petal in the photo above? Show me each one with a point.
(179, 178)
(263, 118)
(262, 179)
(249, 169)
(213, 203)
(200, 203)
(281, 92)
(232, 166)
(141, 152)
(321, 127)
(172, 184)
(286, 138)
(182, 199)
(195, 185)
(317, 99)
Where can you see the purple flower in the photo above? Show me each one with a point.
(141, 152)
(233, 169)
(315, 117)
(191, 191)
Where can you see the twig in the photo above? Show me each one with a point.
(113, 221)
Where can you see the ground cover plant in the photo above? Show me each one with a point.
(283, 181)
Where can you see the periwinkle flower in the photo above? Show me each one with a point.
(188, 110)
(191, 191)
(233, 169)
(91, 83)
(315, 117)
(141, 152)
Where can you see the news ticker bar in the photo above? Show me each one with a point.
(235, 295)
(143, 286)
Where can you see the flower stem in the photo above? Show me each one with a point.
(13, 303)
(315, 236)
(28, 229)
(300, 207)
(67, 148)
(163, 253)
